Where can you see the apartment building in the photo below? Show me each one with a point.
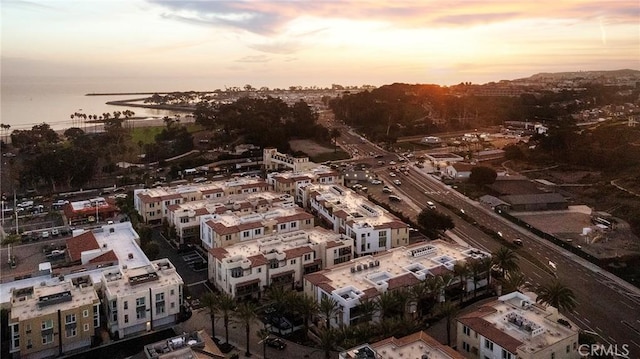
(274, 160)
(53, 318)
(365, 278)
(293, 182)
(372, 228)
(416, 345)
(515, 326)
(245, 269)
(143, 298)
(153, 203)
(185, 217)
(227, 229)
(89, 211)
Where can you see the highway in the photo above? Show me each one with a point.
(606, 304)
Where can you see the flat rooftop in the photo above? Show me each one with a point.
(234, 219)
(121, 238)
(49, 297)
(159, 273)
(213, 204)
(203, 187)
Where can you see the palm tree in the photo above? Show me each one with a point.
(506, 260)
(461, 270)
(279, 298)
(513, 281)
(226, 306)
(386, 303)
(245, 313)
(485, 265)
(366, 308)
(557, 295)
(448, 310)
(329, 339)
(419, 293)
(474, 270)
(335, 133)
(329, 308)
(306, 307)
(210, 302)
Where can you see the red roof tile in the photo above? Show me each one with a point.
(489, 331)
(78, 244)
(258, 260)
(218, 253)
(109, 256)
(297, 252)
(405, 280)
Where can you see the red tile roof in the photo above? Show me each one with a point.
(78, 244)
(218, 253)
(405, 280)
(109, 256)
(297, 252)
(258, 260)
(489, 331)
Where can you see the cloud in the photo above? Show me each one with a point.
(254, 58)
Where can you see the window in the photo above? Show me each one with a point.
(141, 308)
(47, 338)
(466, 346)
(173, 305)
(159, 297)
(283, 226)
(257, 231)
(29, 344)
(505, 354)
(227, 237)
(293, 261)
(85, 313)
(140, 301)
(86, 327)
(246, 234)
(466, 330)
(27, 328)
(553, 355)
(568, 348)
(47, 324)
(126, 305)
(307, 221)
(294, 224)
(70, 319)
(70, 331)
(259, 270)
(488, 344)
(184, 219)
(160, 303)
(126, 318)
(382, 242)
(173, 292)
(307, 256)
(236, 272)
(141, 314)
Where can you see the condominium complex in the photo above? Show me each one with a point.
(143, 298)
(53, 318)
(185, 217)
(515, 326)
(226, 229)
(153, 203)
(293, 182)
(372, 228)
(244, 270)
(416, 345)
(366, 277)
(274, 160)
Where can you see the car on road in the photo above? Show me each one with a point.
(276, 343)
(431, 205)
(392, 162)
(518, 242)
(375, 181)
(55, 232)
(397, 182)
(394, 198)
(386, 189)
(392, 174)
(44, 234)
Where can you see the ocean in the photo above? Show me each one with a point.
(27, 101)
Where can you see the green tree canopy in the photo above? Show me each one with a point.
(432, 222)
(481, 175)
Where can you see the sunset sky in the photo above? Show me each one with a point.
(351, 42)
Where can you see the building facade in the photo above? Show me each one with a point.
(416, 345)
(53, 318)
(142, 299)
(293, 182)
(274, 161)
(372, 228)
(246, 269)
(153, 203)
(515, 326)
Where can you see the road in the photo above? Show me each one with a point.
(607, 305)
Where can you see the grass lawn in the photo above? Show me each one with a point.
(145, 134)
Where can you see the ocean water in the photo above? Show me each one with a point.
(28, 101)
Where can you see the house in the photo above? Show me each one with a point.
(515, 326)
(274, 160)
(416, 345)
(89, 211)
(458, 171)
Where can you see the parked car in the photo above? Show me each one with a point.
(518, 242)
(55, 232)
(276, 343)
(44, 234)
(387, 190)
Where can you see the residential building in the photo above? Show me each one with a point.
(185, 217)
(53, 318)
(274, 161)
(142, 299)
(442, 160)
(515, 326)
(365, 278)
(153, 203)
(89, 211)
(458, 171)
(489, 155)
(112, 244)
(372, 228)
(245, 269)
(292, 182)
(226, 229)
(416, 345)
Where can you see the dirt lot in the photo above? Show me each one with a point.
(568, 225)
(309, 147)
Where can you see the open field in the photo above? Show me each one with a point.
(309, 147)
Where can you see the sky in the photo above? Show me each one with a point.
(318, 43)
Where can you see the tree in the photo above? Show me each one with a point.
(335, 133)
(513, 281)
(306, 307)
(432, 222)
(245, 313)
(557, 295)
(263, 335)
(210, 302)
(151, 250)
(329, 338)
(505, 259)
(481, 175)
(226, 306)
(448, 310)
(329, 308)
(461, 270)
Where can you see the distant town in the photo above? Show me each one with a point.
(402, 221)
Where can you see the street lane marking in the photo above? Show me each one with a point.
(638, 345)
(537, 275)
(586, 320)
